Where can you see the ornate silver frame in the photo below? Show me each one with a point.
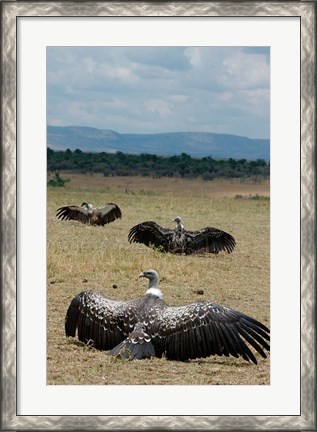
(9, 13)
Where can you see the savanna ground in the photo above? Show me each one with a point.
(82, 257)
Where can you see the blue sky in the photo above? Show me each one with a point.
(160, 89)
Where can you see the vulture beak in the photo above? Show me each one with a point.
(141, 275)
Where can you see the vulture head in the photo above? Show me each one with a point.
(87, 205)
(178, 221)
(153, 278)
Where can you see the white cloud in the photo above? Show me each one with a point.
(90, 65)
(178, 98)
(160, 89)
(246, 71)
(158, 106)
(225, 96)
(194, 56)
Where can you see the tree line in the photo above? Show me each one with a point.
(183, 165)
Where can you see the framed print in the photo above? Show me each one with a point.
(53, 382)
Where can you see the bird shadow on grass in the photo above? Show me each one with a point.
(83, 345)
(209, 361)
(212, 361)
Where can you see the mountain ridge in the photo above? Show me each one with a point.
(196, 144)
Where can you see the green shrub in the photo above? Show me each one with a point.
(57, 181)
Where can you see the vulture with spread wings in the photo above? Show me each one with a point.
(87, 214)
(179, 240)
(148, 327)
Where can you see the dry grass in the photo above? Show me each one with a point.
(81, 257)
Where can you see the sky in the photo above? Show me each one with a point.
(161, 89)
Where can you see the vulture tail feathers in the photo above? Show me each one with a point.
(136, 346)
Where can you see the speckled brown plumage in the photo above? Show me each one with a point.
(180, 240)
(147, 327)
(89, 215)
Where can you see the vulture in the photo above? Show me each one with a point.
(179, 240)
(147, 327)
(90, 215)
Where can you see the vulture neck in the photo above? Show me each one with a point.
(179, 226)
(153, 289)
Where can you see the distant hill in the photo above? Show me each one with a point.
(196, 144)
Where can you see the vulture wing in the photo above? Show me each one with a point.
(73, 212)
(108, 214)
(202, 329)
(151, 233)
(104, 321)
(209, 240)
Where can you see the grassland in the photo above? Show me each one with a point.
(81, 257)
